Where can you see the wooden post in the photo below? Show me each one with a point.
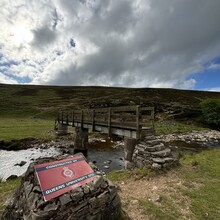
(152, 118)
(62, 116)
(93, 120)
(58, 117)
(109, 122)
(67, 118)
(72, 118)
(138, 122)
(82, 119)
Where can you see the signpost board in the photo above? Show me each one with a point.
(59, 177)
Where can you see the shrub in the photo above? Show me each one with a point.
(211, 111)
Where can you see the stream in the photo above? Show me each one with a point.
(106, 158)
(106, 155)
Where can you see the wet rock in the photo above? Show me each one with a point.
(22, 163)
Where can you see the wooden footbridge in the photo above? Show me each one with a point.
(127, 121)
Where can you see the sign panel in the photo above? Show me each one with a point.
(59, 177)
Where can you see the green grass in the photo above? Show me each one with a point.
(165, 211)
(201, 186)
(117, 175)
(6, 190)
(205, 202)
(170, 127)
(137, 173)
(20, 128)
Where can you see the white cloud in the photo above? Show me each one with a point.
(216, 89)
(140, 43)
(214, 66)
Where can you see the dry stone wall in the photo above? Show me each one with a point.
(95, 200)
(153, 153)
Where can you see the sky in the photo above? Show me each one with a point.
(138, 43)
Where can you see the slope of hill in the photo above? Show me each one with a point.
(45, 101)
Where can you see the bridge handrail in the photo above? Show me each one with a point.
(136, 117)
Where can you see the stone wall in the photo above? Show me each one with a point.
(153, 153)
(96, 200)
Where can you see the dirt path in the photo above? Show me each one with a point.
(154, 190)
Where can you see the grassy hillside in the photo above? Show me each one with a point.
(45, 101)
(29, 111)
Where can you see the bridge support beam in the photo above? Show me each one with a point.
(130, 144)
(81, 141)
(62, 129)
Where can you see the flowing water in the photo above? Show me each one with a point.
(102, 153)
(105, 158)
(9, 159)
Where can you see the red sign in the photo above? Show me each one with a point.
(59, 177)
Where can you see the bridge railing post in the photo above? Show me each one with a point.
(152, 118)
(138, 121)
(72, 118)
(109, 122)
(82, 119)
(58, 117)
(93, 120)
(67, 118)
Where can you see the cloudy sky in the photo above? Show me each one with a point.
(138, 43)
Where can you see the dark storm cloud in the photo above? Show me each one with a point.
(43, 36)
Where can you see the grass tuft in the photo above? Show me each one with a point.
(6, 190)
(117, 175)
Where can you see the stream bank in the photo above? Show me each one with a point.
(105, 154)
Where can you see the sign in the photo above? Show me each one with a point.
(59, 177)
